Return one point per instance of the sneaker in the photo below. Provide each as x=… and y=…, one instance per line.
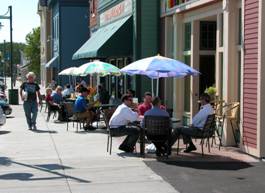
x=190, y=148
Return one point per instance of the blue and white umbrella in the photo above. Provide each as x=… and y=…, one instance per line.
x=159, y=67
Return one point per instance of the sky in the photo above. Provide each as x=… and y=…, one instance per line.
x=25, y=18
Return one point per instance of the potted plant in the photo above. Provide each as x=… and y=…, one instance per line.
x=211, y=91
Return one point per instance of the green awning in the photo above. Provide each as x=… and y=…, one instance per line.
x=112, y=40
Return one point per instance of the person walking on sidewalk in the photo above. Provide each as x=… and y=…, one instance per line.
x=28, y=92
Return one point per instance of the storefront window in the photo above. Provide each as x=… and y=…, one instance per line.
x=221, y=30
x=187, y=87
x=239, y=75
x=187, y=39
x=221, y=74
x=118, y=85
x=169, y=4
x=207, y=35
x=240, y=26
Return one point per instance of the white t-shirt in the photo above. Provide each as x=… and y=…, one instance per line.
x=200, y=118
x=122, y=116
x=83, y=83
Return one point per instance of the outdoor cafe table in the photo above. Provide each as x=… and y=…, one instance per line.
x=142, y=134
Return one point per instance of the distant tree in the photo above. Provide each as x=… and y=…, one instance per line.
x=32, y=50
x=17, y=47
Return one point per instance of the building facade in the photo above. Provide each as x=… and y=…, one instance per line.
x=45, y=38
x=223, y=40
x=69, y=30
x=126, y=30
x=253, y=83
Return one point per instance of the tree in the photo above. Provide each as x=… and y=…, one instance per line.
x=32, y=50
x=17, y=47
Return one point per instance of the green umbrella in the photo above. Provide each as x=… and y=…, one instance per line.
x=98, y=68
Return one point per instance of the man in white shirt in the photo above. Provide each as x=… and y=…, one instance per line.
x=119, y=124
x=83, y=82
x=67, y=91
x=198, y=122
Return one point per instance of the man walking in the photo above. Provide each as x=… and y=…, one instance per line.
x=28, y=92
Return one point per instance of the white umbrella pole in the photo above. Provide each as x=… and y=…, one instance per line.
x=157, y=86
x=152, y=82
x=98, y=81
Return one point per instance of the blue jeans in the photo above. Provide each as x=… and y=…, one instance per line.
x=31, y=112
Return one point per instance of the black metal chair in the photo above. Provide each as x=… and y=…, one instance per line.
x=207, y=132
x=51, y=110
x=158, y=130
x=72, y=117
x=106, y=114
x=43, y=102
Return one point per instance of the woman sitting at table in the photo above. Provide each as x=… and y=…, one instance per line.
x=57, y=97
x=83, y=109
x=56, y=103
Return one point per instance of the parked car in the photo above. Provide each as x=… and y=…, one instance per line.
x=6, y=108
x=2, y=117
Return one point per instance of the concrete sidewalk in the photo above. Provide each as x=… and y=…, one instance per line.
x=54, y=160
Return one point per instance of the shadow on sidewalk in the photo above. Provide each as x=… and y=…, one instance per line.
x=213, y=165
x=44, y=131
x=4, y=132
x=49, y=168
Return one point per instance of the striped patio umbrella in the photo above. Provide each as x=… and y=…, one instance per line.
x=98, y=68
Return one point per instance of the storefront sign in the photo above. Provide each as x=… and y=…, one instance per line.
x=122, y=9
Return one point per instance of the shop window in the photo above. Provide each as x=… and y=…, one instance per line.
x=221, y=55
x=239, y=75
x=169, y=4
x=93, y=8
x=187, y=87
x=221, y=30
x=240, y=26
x=187, y=36
x=207, y=35
x=56, y=34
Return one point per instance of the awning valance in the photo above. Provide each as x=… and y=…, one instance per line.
x=52, y=63
x=112, y=40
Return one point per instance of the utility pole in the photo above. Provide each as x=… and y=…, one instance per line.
x=11, y=47
x=4, y=53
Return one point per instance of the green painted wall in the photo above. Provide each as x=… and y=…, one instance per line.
x=146, y=36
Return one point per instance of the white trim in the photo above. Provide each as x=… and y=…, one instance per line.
x=203, y=13
x=259, y=79
x=261, y=70
x=207, y=52
x=185, y=7
x=242, y=76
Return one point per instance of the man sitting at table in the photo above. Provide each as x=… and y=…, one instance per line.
x=157, y=111
x=67, y=91
x=146, y=105
x=198, y=122
x=82, y=108
x=119, y=124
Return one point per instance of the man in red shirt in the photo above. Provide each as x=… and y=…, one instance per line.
x=146, y=105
